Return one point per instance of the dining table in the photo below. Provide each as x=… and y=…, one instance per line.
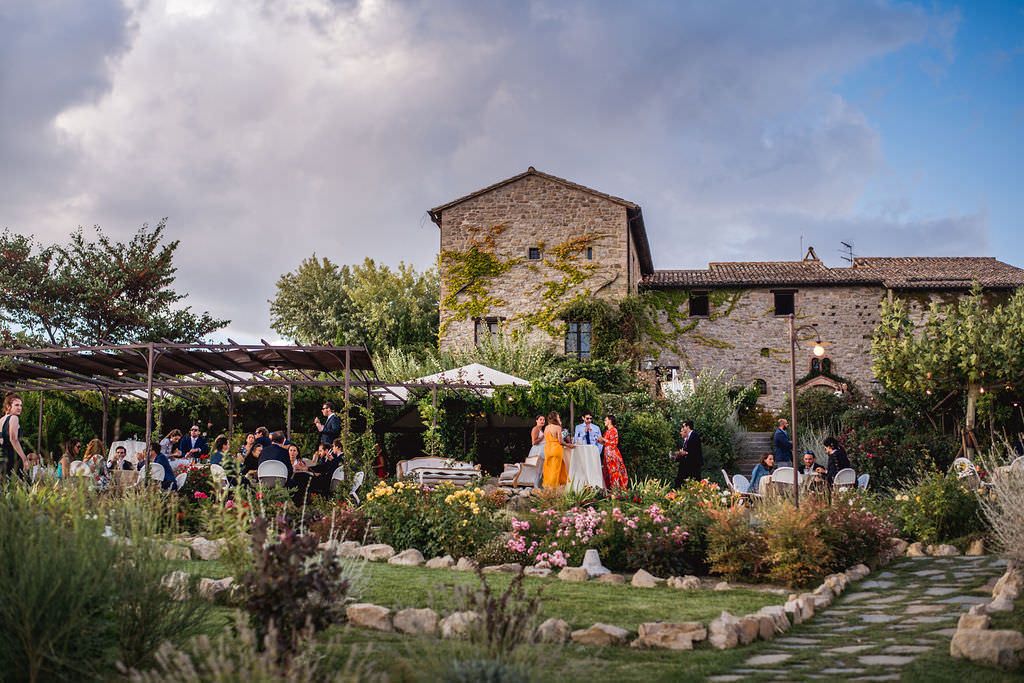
x=584, y=467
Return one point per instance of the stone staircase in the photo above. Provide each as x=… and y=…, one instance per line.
x=752, y=445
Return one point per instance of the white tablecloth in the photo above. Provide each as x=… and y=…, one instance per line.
x=584, y=467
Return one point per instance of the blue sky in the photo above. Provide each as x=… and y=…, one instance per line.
x=266, y=132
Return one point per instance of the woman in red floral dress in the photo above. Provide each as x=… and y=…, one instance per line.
x=614, y=466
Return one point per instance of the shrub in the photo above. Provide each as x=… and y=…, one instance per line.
x=712, y=407
x=342, y=522
x=645, y=440
x=797, y=553
x=735, y=549
x=506, y=620
x=438, y=521
x=293, y=589
x=854, y=533
x=1003, y=510
x=938, y=508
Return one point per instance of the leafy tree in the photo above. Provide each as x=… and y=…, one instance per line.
x=94, y=291
x=366, y=304
x=968, y=347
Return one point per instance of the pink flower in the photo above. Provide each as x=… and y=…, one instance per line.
x=199, y=495
x=230, y=505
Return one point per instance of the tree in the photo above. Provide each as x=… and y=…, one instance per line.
x=968, y=347
x=366, y=304
x=97, y=291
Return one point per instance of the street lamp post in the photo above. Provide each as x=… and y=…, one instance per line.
x=819, y=351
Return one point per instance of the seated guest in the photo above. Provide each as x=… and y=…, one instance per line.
x=220, y=451
x=810, y=464
x=120, y=460
x=293, y=455
x=251, y=460
x=263, y=436
x=276, y=451
x=837, y=459
x=34, y=470
x=156, y=457
x=93, y=456
x=194, y=446
x=169, y=444
x=761, y=469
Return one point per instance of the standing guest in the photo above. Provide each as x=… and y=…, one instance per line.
x=763, y=468
x=556, y=472
x=12, y=455
x=156, y=457
x=330, y=429
x=690, y=457
x=220, y=451
x=94, y=456
x=781, y=444
x=615, y=476
x=380, y=465
x=169, y=445
x=837, y=459
x=588, y=433
x=194, y=446
x=537, y=447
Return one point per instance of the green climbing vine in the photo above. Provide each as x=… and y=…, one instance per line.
x=468, y=273
x=566, y=290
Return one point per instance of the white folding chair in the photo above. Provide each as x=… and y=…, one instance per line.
x=272, y=473
x=845, y=478
x=1018, y=464
x=156, y=472
x=337, y=478
x=784, y=476
x=357, y=481
x=728, y=482
x=79, y=469
x=862, y=481
x=181, y=479
x=219, y=474
x=741, y=484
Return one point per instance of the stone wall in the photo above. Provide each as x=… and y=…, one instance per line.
x=536, y=212
x=752, y=343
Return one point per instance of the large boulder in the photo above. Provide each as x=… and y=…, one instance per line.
x=765, y=626
x=553, y=631
x=611, y=578
x=446, y=562
x=688, y=583
x=204, y=549
x=643, y=579
x=976, y=548
x=507, y=568
x=897, y=546
x=211, y=588
x=601, y=635
x=177, y=584
x=942, y=550
x=748, y=628
x=778, y=616
x=465, y=565
x=999, y=604
x=573, y=574
x=974, y=621
x=1009, y=584
x=458, y=624
x=366, y=615
x=857, y=572
x=349, y=549
x=916, y=550
x=723, y=632
x=376, y=552
x=539, y=572
x=175, y=551
x=670, y=636
x=416, y=621
x=1002, y=649
x=407, y=558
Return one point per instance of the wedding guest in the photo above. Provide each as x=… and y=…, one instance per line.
x=72, y=447
x=588, y=433
x=120, y=461
x=220, y=451
x=330, y=429
x=251, y=460
x=765, y=467
x=614, y=467
x=156, y=457
x=277, y=451
x=169, y=444
x=263, y=436
x=690, y=457
x=194, y=446
x=537, y=447
x=556, y=472
x=837, y=458
x=782, y=447
x=810, y=464
x=12, y=455
x=94, y=456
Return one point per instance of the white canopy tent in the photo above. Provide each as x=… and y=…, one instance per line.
x=474, y=376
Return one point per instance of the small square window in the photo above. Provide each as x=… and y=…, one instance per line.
x=785, y=303
x=590, y=253
x=699, y=305
x=577, y=339
x=534, y=254
x=486, y=328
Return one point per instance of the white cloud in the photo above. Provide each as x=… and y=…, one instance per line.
x=267, y=131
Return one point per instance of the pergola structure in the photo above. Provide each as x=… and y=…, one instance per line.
x=176, y=368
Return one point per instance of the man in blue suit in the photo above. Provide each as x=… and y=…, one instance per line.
x=194, y=445
x=781, y=445
x=277, y=451
x=587, y=432
x=158, y=458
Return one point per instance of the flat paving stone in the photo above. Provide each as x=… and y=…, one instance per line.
x=945, y=632
x=929, y=572
x=850, y=629
x=888, y=600
x=939, y=591
x=850, y=597
x=907, y=649
x=965, y=600
x=760, y=659
x=878, y=618
x=877, y=584
x=885, y=660
x=930, y=619
x=726, y=678
x=924, y=609
x=842, y=672
x=882, y=677
x=791, y=640
x=849, y=649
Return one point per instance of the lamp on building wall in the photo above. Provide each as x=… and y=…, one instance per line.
x=819, y=351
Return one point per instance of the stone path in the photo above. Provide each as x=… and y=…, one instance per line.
x=878, y=626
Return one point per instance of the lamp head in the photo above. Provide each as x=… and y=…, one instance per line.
x=819, y=350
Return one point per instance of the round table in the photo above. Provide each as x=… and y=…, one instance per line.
x=584, y=467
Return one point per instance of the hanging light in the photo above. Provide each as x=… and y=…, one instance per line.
x=819, y=350
x=981, y=390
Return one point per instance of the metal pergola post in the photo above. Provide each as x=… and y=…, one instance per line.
x=348, y=372
x=105, y=395
x=149, y=395
x=288, y=415
x=231, y=411
x=39, y=434
x=792, y=406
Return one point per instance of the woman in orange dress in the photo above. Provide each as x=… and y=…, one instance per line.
x=556, y=472
x=614, y=466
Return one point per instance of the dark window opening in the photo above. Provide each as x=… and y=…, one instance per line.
x=699, y=305
x=785, y=303
x=534, y=253
x=577, y=339
x=486, y=328
x=590, y=253
x=761, y=386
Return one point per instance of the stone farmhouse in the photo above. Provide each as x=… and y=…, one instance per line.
x=514, y=253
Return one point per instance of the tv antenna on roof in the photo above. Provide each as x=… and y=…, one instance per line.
x=847, y=252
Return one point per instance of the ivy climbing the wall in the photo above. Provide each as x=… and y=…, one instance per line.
x=468, y=273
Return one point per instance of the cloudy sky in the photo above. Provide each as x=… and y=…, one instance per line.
x=266, y=131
